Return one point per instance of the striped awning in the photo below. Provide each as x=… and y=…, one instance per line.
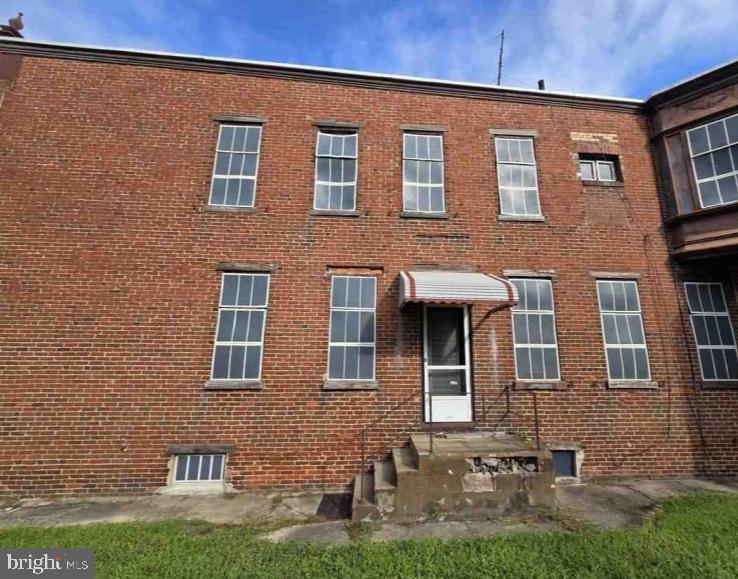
x=456, y=287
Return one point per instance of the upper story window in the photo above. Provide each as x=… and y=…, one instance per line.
x=534, y=331
x=351, y=350
x=335, y=171
x=713, y=331
x=422, y=170
x=714, y=152
x=239, y=337
x=622, y=327
x=236, y=164
x=517, y=176
x=602, y=168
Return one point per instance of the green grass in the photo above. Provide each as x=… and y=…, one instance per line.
x=695, y=536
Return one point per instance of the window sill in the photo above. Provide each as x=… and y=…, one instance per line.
x=423, y=215
x=532, y=218
x=350, y=384
x=540, y=385
x=233, y=385
x=230, y=209
x=334, y=213
x=615, y=184
x=632, y=384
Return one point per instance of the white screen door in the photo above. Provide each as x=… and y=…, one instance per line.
x=447, y=379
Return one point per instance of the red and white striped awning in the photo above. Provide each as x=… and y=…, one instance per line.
x=456, y=287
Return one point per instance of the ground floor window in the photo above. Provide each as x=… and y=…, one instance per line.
x=199, y=468
x=713, y=331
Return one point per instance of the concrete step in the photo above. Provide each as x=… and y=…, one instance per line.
x=403, y=460
x=385, y=477
x=363, y=506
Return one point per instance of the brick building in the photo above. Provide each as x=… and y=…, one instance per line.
x=222, y=270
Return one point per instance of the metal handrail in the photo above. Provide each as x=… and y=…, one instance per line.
x=377, y=421
x=509, y=412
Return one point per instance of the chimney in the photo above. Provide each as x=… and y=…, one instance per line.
x=541, y=84
x=13, y=27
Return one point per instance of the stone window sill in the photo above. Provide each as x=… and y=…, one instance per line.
x=334, y=213
x=540, y=385
x=614, y=184
x=423, y=215
x=350, y=384
x=522, y=218
x=632, y=384
x=230, y=209
x=234, y=385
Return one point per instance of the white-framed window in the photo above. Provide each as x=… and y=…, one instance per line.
x=713, y=331
x=335, y=171
x=534, y=331
x=352, y=341
x=239, y=336
x=714, y=151
x=236, y=166
x=198, y=468
x=422, y=171
x=622, y=329
x=517, y=176
x=592, y=170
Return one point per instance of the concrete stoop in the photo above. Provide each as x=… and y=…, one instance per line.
x=466, y=476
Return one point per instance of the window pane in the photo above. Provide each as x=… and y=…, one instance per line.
x=529, y=176
x=335, y=363
x=615, y=363
x=610, y=329
x=423, y=147
x=628, y=356
x=205, y=468
x=586, y=170
x=728, y=189
x=713, y=335
x=526, y=149
x=181, y=472
x=605, y=171
x=368, y=291
x=732, y=125
x=353, y=298
x=641, y=362
x=502, y=150
x=253, y=362
x=219, y=190
x=700, y=330
x=324, y=144
x=352, y=326
x=348, y=197
x=506, y=201
x=551, y=364
x=522, y=363
x=606, y=296
x=366, y=363
x=411, y=147
x=709, y=194
x=411, y=197
x=217, y=467
x=447, y=382
x=252, y=139
x=436, y=148
x=716, y=131
x=445, y=331
x=338, y=326
x=721, y=161
x=703, y=166
x=731, y=358
x=520, y=328
x=547, y=329
x=698, y=140
x=220, y=361
x=256, y=326
x=259, y=290
x=349, y=145
x=621, y=326
x=536, y=363
x=636, y=330
x=339, y=285
x=246, y=197
x=707, y=365
x=518, y=200
x=239, y=139
x=351, y=362
x=531, y=202
x=238, y=355
x=534, y=328
x=226, y=138
x=225, y=325
x=721, y=367
x=193, y=467
x=322, y=196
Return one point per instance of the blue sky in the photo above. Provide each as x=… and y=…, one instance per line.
x=615, y=47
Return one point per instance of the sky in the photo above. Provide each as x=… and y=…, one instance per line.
x=627, y=48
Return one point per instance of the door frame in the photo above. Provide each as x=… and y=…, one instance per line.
x=467, y=367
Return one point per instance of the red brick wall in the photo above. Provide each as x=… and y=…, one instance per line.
x=110, y=288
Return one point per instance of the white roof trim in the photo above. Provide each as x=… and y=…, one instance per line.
x=339, y=71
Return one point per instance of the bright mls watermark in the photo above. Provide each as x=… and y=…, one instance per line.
x=62, y=563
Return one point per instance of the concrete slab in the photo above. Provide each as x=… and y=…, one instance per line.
x=471, y=444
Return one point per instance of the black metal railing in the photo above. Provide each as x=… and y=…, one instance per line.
x=513, y=415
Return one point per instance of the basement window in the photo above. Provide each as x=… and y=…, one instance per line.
x=599, y=168
x=198, y=468
x=565, y=463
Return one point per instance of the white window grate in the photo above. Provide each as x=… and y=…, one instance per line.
x=199, y=468
x=622, y=328
x=352, y=341
x=239, y=336
x=335, y=171
x=236, y=165
x=534, y=331
x=422, y=173
x=517, y=176
x=713, y=331
x=714, y=152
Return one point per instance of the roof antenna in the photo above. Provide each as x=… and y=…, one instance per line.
x=499, y=61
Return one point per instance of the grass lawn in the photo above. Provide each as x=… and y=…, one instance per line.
x=695, y=536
